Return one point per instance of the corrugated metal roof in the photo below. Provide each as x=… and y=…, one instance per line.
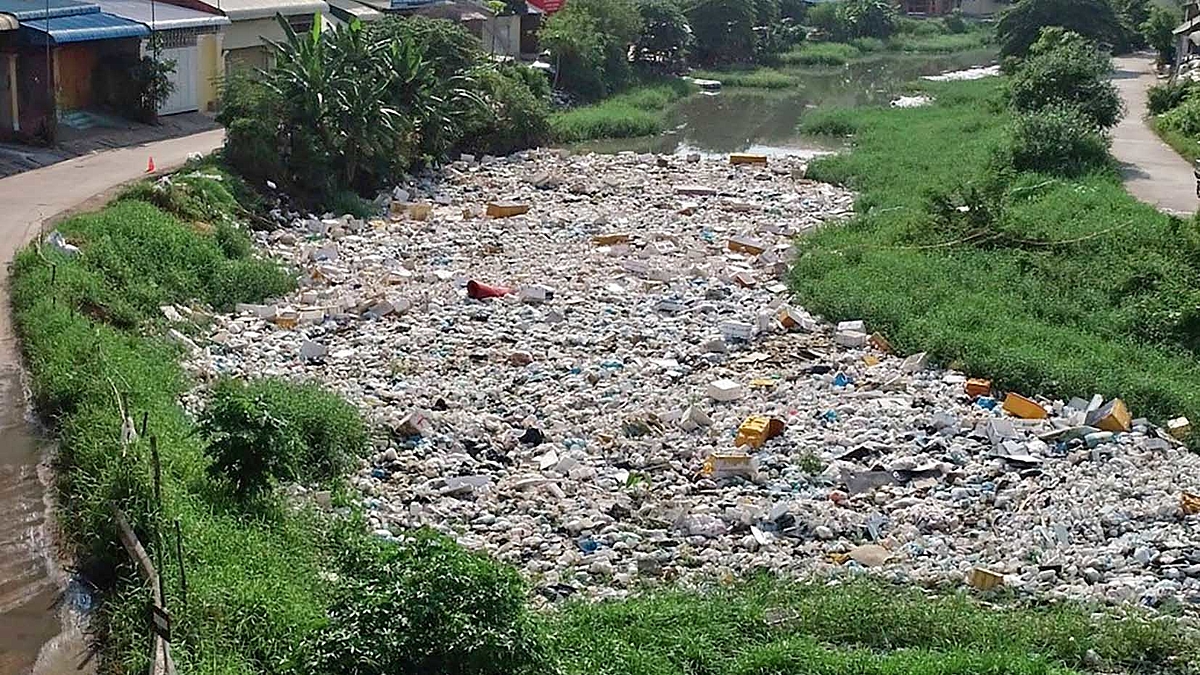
x=83, y=28
x=161, y=16
x=347, y=10
x=246, y=10
x=24, y=10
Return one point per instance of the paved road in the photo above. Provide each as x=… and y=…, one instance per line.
x=35, y=636
x=1153, y=172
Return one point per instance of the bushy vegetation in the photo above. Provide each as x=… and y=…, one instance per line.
x=1055, y=139
x=269, y=431
x=1169, y=95
x=666, y=37
x=350, y=108
x=1064, y=69
x=425, y=605
x=589, y=43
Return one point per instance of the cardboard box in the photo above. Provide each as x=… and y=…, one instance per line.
x=985, y=579
x=1019, y=406
x=1113, y=416
x=506, y=209
x=757, y=430
x=747, y=158
x=978, y=387
x=726, y=464
x=1179, y=428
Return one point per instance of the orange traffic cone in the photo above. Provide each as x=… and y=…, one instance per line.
x=150, y=166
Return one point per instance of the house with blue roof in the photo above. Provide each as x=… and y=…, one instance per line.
x=61, y=55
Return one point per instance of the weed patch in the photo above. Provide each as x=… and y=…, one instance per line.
x=1083, y=290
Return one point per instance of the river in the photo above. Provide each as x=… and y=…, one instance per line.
x=764, y=121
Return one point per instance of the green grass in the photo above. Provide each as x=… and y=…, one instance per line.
x=938, y=44
x=88, y=327
x=1186, y=146
x=842, y=53
x=772, y=626
x=758, y=78
x=640, y=111
x=821, y=54
x=1104, y=303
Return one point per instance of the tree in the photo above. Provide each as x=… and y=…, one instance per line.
x=869, y=18
x=1131, y=14
x=1019, y=26
x=766, y=12
x=793, y=9
x=1157, y=30
x=724, y=30
x=1065, y=70
x=665, y=36
x=590, y=41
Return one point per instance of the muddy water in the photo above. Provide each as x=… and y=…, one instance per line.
x=764, y=121
x=28, y=592
x=32, y=590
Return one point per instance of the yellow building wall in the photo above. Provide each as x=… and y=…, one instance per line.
x=212, y=71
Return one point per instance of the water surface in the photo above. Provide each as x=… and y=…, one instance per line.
x=764, y=121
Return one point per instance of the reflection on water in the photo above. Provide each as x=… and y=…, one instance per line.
x=763, y=121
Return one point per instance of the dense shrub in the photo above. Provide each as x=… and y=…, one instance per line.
x=347, y=202
x=271, y=430
x=826, y=18
x=954, y=23
x=724, y=30
x=1064, y=69
x=424, y=605
x=1169, y=95
x=250, y=113
x=665, y=37
x=349, y=108
x=445, y=45
x=1184, y=118
x=1020, y=26
x=1055, y=139
x=512, y=117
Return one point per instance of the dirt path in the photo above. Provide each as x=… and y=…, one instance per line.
x=1153, y=172
x=37, y=634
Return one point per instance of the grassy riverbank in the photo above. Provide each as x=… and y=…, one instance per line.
x=93, y=339
x=1077, y=288
x=639, y=111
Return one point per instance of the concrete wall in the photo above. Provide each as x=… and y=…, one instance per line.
x=242, y=34
x=243, y=43
x=502, y=35
x=212, y=70
x=983, y=7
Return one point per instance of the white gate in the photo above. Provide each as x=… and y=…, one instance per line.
x=185, y=96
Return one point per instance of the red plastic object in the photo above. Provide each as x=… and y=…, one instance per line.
x=478, y=291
